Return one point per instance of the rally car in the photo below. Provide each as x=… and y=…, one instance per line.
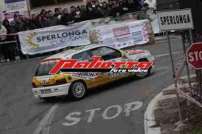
x=76, y=84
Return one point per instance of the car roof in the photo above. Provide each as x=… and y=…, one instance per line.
x=70, y=52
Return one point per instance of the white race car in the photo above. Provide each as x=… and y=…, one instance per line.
x=46, y=85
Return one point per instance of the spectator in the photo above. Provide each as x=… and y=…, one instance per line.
x=43, y=20
x=42, y=13
x=17, y=24
x=3, y=32
x=25, y=22
x=104, y=9
x=123, y=4
x=92, y=10
x=38, y=21
x=65, y=19
x=135, y=5
x=33, y=22
x=139, y=4
x=52, y=19
x=145, y=7
x=83, y=12
x=115, y=9
x=78, y=15
x=8, y=50
x=72, y=13
x=58, y=13
x=6, y=23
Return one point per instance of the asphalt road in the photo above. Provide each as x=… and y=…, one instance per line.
x=114, y=109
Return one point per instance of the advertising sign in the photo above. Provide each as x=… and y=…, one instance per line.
x=175, y=20
x=54, y=38
x=15, y=5
x=122, y=35
x=1, y=5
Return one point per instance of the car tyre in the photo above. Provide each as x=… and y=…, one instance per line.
x=144, y=75
x=78, y=90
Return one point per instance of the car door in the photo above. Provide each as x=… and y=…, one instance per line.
x=107, y=54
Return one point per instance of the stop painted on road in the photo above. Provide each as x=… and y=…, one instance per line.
x=109, y=113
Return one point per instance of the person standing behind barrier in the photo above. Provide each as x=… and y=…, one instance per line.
x=104, y=9
x=78, y=15
x=83, y=12
x=3, y=33
x=65, y=19
x=15, y=26
x=92, y=10
x=123, y=4
x=58, y=13
x=72, y=14
x=52, y=20
x=115, y=9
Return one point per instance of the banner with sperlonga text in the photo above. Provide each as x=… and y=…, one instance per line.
x=54, y=38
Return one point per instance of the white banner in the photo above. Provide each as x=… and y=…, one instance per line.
x=16, y=5
x=124, y=34
x=2, y=4
x=54, y=38
x=175, y=20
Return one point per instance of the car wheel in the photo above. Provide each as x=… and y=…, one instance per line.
x=78, y=90
x=144, y=74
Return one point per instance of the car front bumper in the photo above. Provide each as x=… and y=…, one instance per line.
x=51, y=91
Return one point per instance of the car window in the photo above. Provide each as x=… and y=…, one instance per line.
x=83, y=56
x=44, y=68
x=106, y=53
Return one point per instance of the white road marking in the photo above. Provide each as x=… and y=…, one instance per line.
x=133, y=106
x=44, y=125
x=167, y=54
x=72, y=118
x=92, y=114
x=118, y=109
x=149, y=117
x=108, y=113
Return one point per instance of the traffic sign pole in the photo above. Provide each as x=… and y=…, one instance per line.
x=169, y=20
x=171, y=56
x=174, y=76
x=186, y=64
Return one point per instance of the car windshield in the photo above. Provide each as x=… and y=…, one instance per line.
x=105, y=52
x=44, y=68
